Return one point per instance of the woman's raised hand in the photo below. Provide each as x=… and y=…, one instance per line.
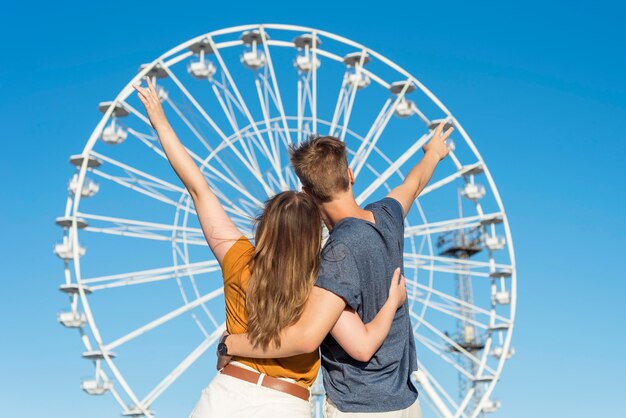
x=397, y=290
x=150, y=99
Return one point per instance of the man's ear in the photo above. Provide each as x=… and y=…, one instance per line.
x=351, y=176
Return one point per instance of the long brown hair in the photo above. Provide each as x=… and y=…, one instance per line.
x=284, y=265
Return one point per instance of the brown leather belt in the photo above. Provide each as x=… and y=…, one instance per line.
x=267, y=381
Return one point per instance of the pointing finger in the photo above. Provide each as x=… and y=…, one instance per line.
x=142, y=91
x=448, y=133
x=151, y=87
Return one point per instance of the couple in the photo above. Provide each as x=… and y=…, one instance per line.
x=286, y=296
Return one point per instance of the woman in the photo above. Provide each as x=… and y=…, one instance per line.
x=265, y=289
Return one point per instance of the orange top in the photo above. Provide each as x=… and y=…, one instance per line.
x=302, y=368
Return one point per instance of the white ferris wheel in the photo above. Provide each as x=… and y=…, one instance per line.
x=144, y=290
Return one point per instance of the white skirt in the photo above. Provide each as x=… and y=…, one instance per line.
x=229, y=397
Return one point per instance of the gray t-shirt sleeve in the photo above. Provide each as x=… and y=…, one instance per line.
x=395, y=212
x=339, y=273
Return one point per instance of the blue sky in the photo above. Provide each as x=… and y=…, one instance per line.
x=539, y=86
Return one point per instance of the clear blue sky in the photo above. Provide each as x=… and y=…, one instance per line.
x=539, y=85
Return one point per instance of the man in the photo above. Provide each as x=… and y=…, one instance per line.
x=364, y=247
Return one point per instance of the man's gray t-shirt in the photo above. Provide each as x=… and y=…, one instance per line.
x=357, y=264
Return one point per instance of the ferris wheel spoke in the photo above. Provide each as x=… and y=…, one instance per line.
x=182, y=366
x=151, y=275
x=348, y=112
x=230, y=99
x=301, y=101
x=444, y=269
x=195, y=104
x=455, y=160
x=248, y=149
x=314, y=83
x=200, y=138
x=338, y=106
x=148, y=227
x=274, y=155
x=149, y=139
x=367, y=146
x=393, y=168
x=432, y=343
x=457, y=262
x=102, y=375
x=347, y=108
x=379, y=124
x=305, y=96
x=135, y=186
x=120, y=379
x=443, y=309
x=184, y=255
x=239, y=99
x=144, y=138
x=430, y=379
x=443, y=356
x=239, y=216
x=141, y=177
x=211, y=122
x=238, y=96
x=293, y=180
x=456, y=301
x=130, y=232
x=453, y=344
x=136, y=113
x=227, y=109
x=451, y=224
x=143, y=188
x=117, y=396
x=248, y=161
x=163, y=319
x=449, y=179
x=277, y=98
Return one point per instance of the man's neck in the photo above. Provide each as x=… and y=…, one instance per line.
x=341, y=207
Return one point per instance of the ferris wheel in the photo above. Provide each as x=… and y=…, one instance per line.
x=141, y=280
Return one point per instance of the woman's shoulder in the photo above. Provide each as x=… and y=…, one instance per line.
x=238, y=257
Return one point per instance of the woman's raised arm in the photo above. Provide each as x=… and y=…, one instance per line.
x=219, y=230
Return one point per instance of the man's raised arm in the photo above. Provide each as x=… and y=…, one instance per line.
x=322, y=310
x=419, y=176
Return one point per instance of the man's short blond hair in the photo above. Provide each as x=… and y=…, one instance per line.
x=321, y=165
